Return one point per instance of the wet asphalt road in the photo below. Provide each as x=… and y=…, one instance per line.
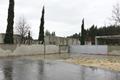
x=25, y=69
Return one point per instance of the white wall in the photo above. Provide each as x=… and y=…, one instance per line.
x=89, y=49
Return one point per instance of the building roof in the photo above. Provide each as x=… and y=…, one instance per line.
x=14, y=34
x=109, y=37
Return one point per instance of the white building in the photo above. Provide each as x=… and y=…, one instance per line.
x=55, y=40
x=16, y=38
x=109, y=40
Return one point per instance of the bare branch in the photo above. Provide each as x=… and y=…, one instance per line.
x=116, y=14
x=22, y=28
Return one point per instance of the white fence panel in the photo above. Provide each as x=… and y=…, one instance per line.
x=89, y=49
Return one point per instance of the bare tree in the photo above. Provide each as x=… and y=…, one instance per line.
x=116, y=14
x=22, y=29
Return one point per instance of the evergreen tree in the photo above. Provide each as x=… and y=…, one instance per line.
x=10, y=22
x=93, y=33
x=29, y=37
x=41, y=32
x=82, y=33
x=53, y=34
x=76, y=36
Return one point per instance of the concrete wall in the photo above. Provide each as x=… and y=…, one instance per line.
x=26, y=49
x=48, y=49
x=52, y=49
x=6, y=50
x=89, y=49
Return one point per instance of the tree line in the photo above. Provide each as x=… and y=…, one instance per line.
x=90, y=33
x=93, y=31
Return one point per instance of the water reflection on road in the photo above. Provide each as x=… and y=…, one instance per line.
x=51, y=70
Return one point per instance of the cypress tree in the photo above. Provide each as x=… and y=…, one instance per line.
x=82, y=33
x=10, y=22
x=41, y=31
x=29, y=37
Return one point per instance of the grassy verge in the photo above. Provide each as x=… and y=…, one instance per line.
x=101, y=61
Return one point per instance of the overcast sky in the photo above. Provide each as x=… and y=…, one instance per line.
x=62, y=16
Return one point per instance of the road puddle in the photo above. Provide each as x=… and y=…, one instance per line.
x=51, y=70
